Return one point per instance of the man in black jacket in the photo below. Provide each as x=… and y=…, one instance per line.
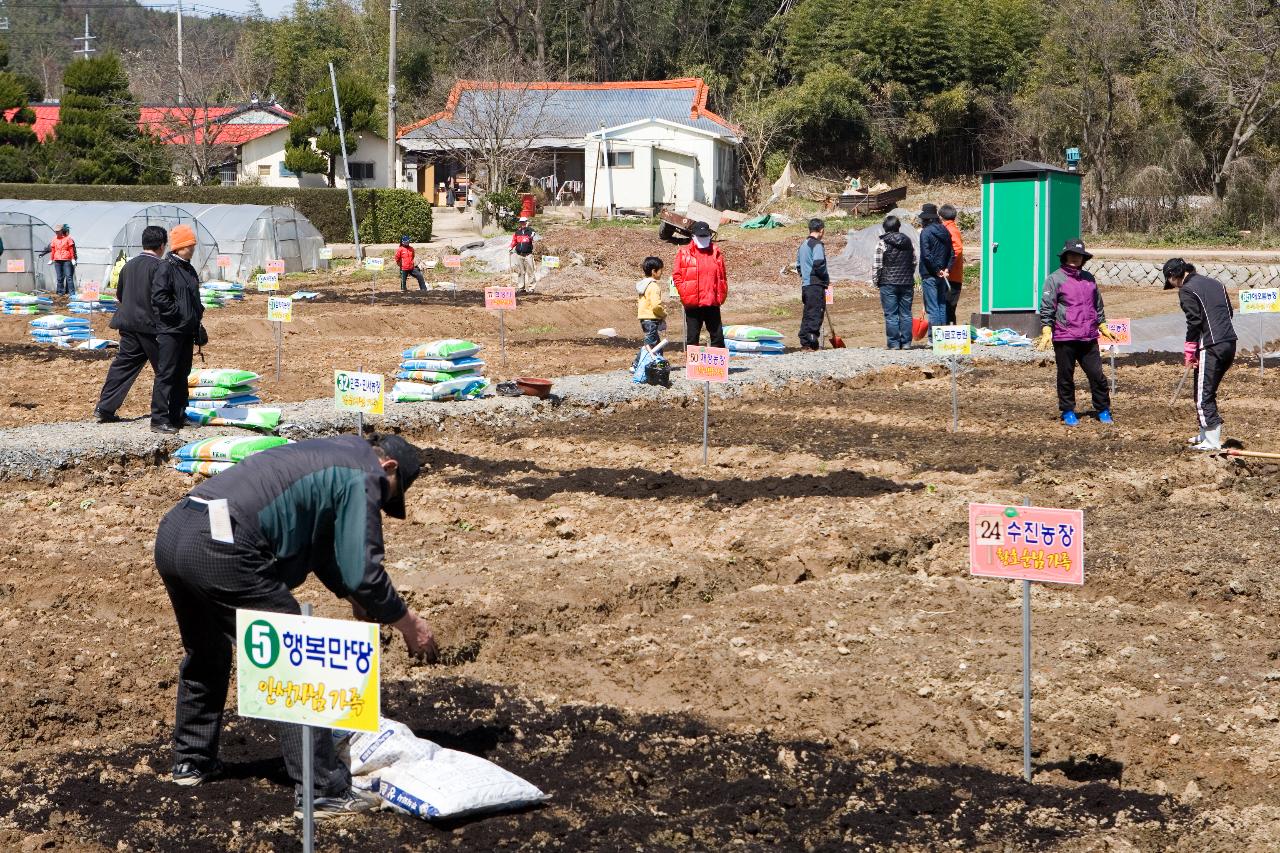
x=243, y=540
x=1211, y=342
x=136, y=323
x=175, y=299
x=936, y=255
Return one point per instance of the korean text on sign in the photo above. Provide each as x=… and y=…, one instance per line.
x=275, y=266
x=952, y=340
x=374, y=264
x=452, y=261
x=90, y=291
x=280, y=309
x=15, y=265
x=224, y=262
x=358, y=392
x=499, y=298
x=268, y=281
x=307, y=670
x=325, y=253
x=1260, y=301
x=706, y=364
x=1026, y=543
x=551, y=262
x=1121, y=332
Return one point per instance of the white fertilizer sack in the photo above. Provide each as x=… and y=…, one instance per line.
x=418, y=777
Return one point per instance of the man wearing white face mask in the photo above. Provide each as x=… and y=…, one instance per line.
x=699, y=277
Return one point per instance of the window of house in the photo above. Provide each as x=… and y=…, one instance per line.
x=621, y=159
x=264, y=171
x=361, y=171
x=285, y=173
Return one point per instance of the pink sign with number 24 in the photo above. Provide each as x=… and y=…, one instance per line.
x=1026, y=543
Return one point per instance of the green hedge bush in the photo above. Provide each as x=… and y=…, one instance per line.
x=384, y=215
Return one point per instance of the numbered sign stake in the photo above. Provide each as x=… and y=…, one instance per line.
x=358, y=392
x=706, y=365
x=1121, y=335
x=268, y=282
x=310, y=672
x=1026, y=543
x=374, y=265
x=951, y=342
x=502, y=300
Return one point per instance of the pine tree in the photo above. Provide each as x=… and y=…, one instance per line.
x=358, y=107
x=98, y=127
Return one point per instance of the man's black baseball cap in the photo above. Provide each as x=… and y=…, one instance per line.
x=700, y=229
x=408, y=465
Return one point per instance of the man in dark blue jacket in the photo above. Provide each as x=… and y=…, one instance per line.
x=936, y=255
x=135, y=320
x=811, y=261
x=315, y=506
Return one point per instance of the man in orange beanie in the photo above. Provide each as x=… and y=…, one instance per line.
x=175, y=299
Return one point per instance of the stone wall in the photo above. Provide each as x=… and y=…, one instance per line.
x=1147, y=274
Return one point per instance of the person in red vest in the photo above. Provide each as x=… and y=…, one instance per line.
x=699, y=277
x=405, y=260
x=522, y=248
x=64, y=259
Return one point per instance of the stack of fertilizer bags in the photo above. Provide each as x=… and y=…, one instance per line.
x=214, y=455
x=753, y=340
x=25, y=303
x=104, y=304
x=228, y=398
x=60, y=330
x=440, y=370
x=216, y=294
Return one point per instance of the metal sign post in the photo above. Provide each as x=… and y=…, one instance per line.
x=308, y=780
x=955, y=398
x=1121, y=330
x=279, y=312
x=1026, y=543
x=706, y=365
x=1260, y=301
x=953, y=341
x=500, y=299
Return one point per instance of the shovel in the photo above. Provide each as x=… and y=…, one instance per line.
x=837, y=342
x=1181, y=382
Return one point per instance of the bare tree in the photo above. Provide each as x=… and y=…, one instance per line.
x=494, y=125
x=188, y=99
x=1228, y=53
x=763, y=124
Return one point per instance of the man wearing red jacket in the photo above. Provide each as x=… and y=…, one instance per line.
x=405, y=261
x=700, y=279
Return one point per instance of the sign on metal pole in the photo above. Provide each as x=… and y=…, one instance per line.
x=952, y=342
x=279, y=312
x=15, y=265
x=224, y=262
x=706, y=365
x=312, y=672
x=358, y=392
x=1260, y=301
x=375, y=264
x=1121, y=336
x=268, y=282
x=550, y=262
x=452, y=261
x=1026, y=543
x=90, y=291
x=275, y=265
x=326, y=253
x=502, y=300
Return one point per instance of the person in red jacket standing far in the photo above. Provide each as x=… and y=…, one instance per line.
x=408, y=267
x=64, y=260
x=700, y=279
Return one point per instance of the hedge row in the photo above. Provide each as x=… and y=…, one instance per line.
x=384, y=215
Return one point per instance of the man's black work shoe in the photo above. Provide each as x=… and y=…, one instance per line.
x=354, y=801
x=106, y=417
x=165, y=429
x=187, y=774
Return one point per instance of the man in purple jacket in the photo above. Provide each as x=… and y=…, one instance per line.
x=1072, y=318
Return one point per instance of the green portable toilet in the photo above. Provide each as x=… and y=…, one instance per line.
x=1028, y=211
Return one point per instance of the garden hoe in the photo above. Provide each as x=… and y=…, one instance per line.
x=837, y=342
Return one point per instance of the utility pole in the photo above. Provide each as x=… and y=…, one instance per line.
x=180, y=84
x=393, y=174
x=346, y=168
x=86, y=38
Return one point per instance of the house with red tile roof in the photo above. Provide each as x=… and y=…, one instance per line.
x=239, y=143
x=637, y=145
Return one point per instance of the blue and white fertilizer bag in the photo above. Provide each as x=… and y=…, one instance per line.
x=417, y=777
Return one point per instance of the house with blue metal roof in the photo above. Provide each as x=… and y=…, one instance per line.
x=609, y=147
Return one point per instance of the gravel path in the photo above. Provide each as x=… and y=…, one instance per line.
x=37, y=452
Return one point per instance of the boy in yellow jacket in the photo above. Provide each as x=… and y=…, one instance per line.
x=649, y=308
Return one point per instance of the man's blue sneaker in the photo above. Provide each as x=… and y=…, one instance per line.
x=1105, y=416
x=1070, y=419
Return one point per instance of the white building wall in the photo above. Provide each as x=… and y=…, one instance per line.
x=634, y=187
x=268, y=151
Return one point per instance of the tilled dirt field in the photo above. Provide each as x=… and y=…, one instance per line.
x=780, y=651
